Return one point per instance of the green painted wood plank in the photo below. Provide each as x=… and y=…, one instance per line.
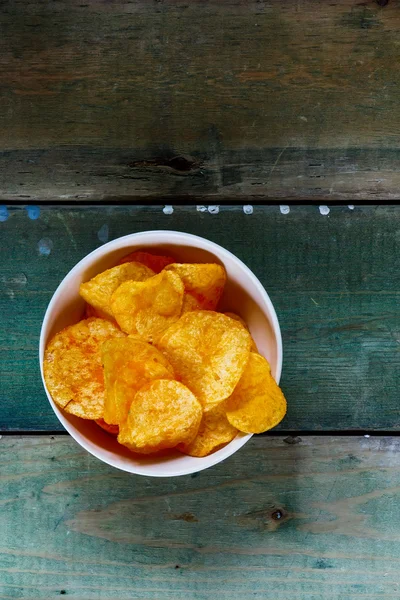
x=334, y=280
x=69, y=525
x=265, y=99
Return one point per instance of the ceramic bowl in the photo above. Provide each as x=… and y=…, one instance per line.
x=243, y=295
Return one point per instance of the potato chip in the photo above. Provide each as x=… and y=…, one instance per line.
x=205, y=282
x=162, y=415
x=73, y=370
x=133, y=362
x=236, y=317
x=98, y=291
x=190, y=303
x=155, y=262
x=148, y=308
x=214, y=431
x=90, y=311
x=208, y=352
x=257, y=404
x=111, y=429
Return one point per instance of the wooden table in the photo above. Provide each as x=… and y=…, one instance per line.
x=238, y=115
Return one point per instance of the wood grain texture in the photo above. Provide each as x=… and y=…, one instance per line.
x=334, y=281
x=144, y=99
x=317, y=520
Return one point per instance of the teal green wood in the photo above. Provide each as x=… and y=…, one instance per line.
x=334, y=281
x=317, y=520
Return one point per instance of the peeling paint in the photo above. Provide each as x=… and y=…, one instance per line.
x=103, y=233
x=45, y=246
x=213, y=209
x=4, y=214
x=33, y=212
x=324, y=210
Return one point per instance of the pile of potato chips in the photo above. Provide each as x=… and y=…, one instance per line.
x=155, y=363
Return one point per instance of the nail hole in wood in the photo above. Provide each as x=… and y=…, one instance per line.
x=277, y=515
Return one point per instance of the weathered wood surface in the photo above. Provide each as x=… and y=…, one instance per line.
x=70, y=525
x=294, y=99
x=334, y=280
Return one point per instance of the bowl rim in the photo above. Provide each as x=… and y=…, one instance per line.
x=183, y=239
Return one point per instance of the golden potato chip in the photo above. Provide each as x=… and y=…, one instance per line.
x=98, y=291
x=204, y=282
x=257, y=404
x=232, y=315
x=90, y=311
x=73, y=370
x=162, y=415
x=208, y=352
x=214, y=431
x=237, y=318
x=134, y=363
x=147, y=308
x=111, y=429
x=155, y=262
x=190, y=303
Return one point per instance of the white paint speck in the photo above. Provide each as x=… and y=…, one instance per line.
x=201, y=208
x=248, y=209
x=324, y=210
x=33, y=212
x=11, y=284
x=302, y=118
x=3, y=214
x=285, y=209
x=168, y=209
x=18, y=281
x=213, y=209
x=351, y=207
x=45, y=246
x=103, y=233
x=367, y=436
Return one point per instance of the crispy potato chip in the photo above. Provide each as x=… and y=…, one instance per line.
x=90, y=311
x=98, y=291
x=73, y=370
x=134, y=363
x=155, y=262
x=257, y=404
x=204, y=282
x=208, y=352
x=232, y=315
x=162, y=415
x=190, y=303
x=111, y=429
x=214, y=431
x=148, y=308
x=237, y=318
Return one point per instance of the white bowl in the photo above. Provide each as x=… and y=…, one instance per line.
x=243, y=295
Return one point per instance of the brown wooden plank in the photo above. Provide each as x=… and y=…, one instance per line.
x=295, y=99
x=315, y=520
